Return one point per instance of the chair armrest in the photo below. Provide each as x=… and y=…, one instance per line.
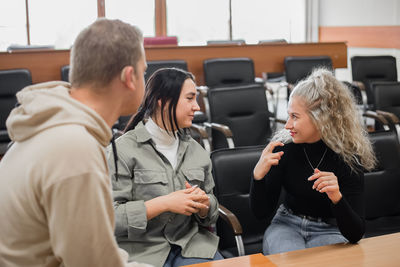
x=377, y=117
x=390, y=116
x=393, y=120
x=224, y=130
x=278, y=120
x=234, y=223
x=230, y=219
x=203, y=90
x=201, y=131
x=220, y=127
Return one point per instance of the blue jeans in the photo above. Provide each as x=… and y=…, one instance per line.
x=175, y=258
x=289, y=232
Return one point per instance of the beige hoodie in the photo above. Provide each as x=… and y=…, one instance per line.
x=55, y=193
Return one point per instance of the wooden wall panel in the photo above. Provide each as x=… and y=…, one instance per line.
x=363, y=36
x=46, y=65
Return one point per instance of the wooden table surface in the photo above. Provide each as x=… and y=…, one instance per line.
x=372, y=252
x=380, y=251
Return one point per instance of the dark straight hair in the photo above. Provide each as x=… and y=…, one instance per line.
x=166, y=85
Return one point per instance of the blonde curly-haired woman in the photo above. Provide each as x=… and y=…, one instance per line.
x=319, y=160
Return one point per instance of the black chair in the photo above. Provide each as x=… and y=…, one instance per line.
x=65, y=73
x=11, y=81
x=228, y=71
x=298, y=68
x=367, y=69
x=152, y=66
x=382, y=198
x=386, y=96
x=232, y=170
x=244, y=109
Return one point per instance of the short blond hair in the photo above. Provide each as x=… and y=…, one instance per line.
x=102, y=50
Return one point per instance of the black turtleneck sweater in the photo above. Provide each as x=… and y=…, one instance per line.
x=292, y=174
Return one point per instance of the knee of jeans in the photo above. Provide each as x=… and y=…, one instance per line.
x=265, y=244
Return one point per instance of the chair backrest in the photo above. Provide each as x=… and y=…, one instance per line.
x=152, y=66
x=65, y=73
x=244, y=109
x=228, y=71
x=366, y=69
x=387, y=96
x=273, y=41
x=298, y=68
x=11, y=81
x=232, y=170
x=226, y=42
x=15, y=47
x=382, y=199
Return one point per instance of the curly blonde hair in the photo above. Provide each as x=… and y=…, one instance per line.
x=332, y=108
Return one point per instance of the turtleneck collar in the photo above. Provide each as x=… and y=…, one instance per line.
x=160, y=136
x=315, y=147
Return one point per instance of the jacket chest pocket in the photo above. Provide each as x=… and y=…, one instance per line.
x=149, y=184
x=195, y=177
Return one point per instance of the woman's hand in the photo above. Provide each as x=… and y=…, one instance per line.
x=197, y=191
x=326, y=182
x=185, y=201
x=267, y=159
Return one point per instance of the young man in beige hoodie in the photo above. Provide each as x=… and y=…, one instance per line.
x=55, y=193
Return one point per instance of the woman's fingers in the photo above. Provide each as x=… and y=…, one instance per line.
x=271, y=146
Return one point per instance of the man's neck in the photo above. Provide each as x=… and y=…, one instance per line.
x=103, y=103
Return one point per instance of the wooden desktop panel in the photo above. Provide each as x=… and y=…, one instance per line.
x=46, y=65
x=369, y=252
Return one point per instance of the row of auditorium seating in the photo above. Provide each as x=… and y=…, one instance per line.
x=232, y=95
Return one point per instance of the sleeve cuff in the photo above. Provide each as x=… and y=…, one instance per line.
x=137, y=217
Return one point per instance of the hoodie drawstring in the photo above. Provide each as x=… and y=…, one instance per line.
x=114, y=149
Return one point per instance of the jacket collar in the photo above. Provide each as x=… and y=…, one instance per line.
x=144, y=136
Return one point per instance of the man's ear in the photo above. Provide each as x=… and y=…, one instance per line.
x=127, y=76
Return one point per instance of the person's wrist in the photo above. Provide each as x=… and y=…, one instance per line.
x=257, y=176
x=335, y=199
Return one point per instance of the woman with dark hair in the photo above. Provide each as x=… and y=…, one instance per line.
x=163, y=186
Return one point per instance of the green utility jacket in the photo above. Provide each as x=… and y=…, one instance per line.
x=143, y=174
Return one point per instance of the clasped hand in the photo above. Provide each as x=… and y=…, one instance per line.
x=188, y=201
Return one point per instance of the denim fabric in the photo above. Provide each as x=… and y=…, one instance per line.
x=289, y=232
x=175, y=258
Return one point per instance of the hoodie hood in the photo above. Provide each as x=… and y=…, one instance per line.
x=49, y=104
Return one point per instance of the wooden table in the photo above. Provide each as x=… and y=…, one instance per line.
x=370, y=252
x=255, y=260
x=375, y=251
